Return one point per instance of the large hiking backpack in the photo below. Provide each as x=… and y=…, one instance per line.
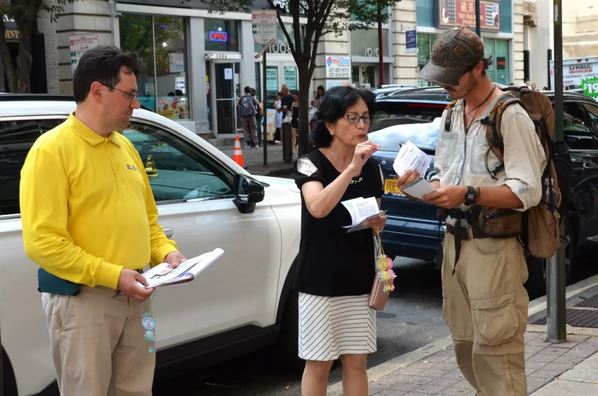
x=247, y=107
x=540, y=228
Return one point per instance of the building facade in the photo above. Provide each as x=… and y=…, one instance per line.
x=196, y=63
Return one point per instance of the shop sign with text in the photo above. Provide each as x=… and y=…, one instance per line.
x=338, y=66
x=462, y=12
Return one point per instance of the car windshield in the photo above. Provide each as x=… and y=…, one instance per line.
x=423, y=135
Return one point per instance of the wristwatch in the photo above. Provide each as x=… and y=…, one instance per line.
x=470, y=195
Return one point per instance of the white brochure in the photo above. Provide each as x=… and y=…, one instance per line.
x=361, y=210
x=163, y=274
x=418, y=188
x=410, y=157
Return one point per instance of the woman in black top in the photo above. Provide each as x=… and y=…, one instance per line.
x=336, y=268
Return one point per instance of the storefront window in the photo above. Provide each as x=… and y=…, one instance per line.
x=160, y=43
x=425, y=42
x=365, y=43
x=221, y=35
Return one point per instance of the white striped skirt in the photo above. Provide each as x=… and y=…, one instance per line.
x=334, y=326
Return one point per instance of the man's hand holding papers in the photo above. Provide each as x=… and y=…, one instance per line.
x=410, y=163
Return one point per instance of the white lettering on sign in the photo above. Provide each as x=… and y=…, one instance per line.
x=279, y=48
x=371, y=52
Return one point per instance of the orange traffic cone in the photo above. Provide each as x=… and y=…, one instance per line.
x=237, y=153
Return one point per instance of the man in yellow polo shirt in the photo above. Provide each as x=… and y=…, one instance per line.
x=90, y=223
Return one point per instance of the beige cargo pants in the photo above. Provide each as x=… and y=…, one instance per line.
x=485, y=308
x=97, y=344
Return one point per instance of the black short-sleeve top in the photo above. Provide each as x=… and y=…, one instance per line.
x=333, y=262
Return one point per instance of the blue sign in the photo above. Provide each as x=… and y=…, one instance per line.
x=218, y=36
x=411, y=41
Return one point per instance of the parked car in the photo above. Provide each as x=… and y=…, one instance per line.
x=389, y=89
x=412, y=228
x=241, y=303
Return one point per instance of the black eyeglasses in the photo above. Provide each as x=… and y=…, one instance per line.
x=132, y=97
x=354, y=118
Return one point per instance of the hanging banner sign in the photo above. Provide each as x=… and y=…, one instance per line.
x=338, y=66
x=462, y=12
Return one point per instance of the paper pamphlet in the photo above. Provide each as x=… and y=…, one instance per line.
x=162, y=274
x=418, y=188
x=361, y=210
x=410, y=157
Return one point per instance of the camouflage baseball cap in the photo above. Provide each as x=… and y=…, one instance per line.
x=453, y=53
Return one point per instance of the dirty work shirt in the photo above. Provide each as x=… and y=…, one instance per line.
x=460, y=156
x=333, y=262
x=87, y=206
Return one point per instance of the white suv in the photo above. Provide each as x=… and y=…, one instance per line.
x=205, y=200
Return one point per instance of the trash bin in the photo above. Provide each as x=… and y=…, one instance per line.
x=287, y=142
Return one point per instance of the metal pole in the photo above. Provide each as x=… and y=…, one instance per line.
x=555, y=276
x=478, y=29
x=264, y=112
x=380, y=46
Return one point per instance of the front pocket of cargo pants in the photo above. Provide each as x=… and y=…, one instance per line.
x=495, y=319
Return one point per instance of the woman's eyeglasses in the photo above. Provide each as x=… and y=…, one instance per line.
x=354, y=118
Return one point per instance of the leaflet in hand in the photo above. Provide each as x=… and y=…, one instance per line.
x=361, y=210
x=410, y=157
x=418, y=188
x=162, y=274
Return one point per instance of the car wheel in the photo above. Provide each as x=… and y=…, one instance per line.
x=536, y=282
x=7, y=378
x=285, y=350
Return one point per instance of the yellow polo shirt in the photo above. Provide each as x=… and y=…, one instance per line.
x=87, y=206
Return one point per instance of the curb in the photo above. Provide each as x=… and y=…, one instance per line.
x=383, y=370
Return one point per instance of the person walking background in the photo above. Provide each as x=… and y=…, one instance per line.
x=484, y=298
x=336, y=268
x=295, y=119
x=90, y=222
x=320, y=91
x=248, y=108
x=258, y=119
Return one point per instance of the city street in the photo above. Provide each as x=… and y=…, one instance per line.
x=412, y=318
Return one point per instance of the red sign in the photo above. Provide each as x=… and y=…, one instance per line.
x=217, y=35
x=462, y=12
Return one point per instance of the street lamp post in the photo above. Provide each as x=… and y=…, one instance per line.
x=555, y=274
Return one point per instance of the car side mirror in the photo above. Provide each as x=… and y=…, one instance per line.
x=248, y=192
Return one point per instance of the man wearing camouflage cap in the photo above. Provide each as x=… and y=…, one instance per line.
x=484, y=299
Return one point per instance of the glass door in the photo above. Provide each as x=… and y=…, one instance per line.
x=224, y=83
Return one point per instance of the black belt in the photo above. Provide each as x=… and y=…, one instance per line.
x=461, y=230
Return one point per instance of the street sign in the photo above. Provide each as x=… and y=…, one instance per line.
x=264, y=25
x=590, y=86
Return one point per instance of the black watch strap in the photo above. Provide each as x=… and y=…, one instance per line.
x=470, y=195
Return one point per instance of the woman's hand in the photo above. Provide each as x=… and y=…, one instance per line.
x=377, y=223
x=363, y=151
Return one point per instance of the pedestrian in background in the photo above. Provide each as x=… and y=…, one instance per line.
x=258, y=118
x=248, y=108
x=485, y=301
x=90, y=222
x=336, y=268
x=277, y=119
x=320, y=91
x=295, y=119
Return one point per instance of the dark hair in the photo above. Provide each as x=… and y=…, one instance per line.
x=333, y=106
x=247, y=89
x=320, y=87
x=101, y=64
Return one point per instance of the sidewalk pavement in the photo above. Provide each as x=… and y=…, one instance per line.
x=254, y=159
x=553, y=369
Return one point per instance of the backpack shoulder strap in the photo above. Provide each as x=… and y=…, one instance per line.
x=449, y=115
x=493, y=131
